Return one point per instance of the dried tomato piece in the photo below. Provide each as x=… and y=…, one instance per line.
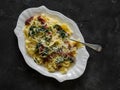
x=49, y=33
x=66, y=42
x=41, y=20
x=27, y=22
x=45, y=26
x=69, y=46
x=41, y=48
x=52, y=55
x=70, y=54
x=45, y=60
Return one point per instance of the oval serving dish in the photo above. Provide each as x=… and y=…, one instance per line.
x=82, y=54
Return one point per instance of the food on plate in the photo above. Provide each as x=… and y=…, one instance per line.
x=47, y=41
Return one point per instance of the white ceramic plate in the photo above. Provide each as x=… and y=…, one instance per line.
x=82, y=56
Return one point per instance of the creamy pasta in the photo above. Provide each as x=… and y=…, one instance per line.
x=47, y=41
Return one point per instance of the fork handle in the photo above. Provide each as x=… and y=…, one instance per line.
x=95, y=47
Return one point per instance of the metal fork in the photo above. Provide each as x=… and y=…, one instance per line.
x=95, y=47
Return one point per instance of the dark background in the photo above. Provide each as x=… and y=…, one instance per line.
x=99, y=22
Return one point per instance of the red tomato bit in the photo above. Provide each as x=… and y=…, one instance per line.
x=27, y=22
x=41, y=20
x=41, y=48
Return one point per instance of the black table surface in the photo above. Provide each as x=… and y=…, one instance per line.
x=99, y=22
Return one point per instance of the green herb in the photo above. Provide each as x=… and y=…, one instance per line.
x=42, y=28
x=47, y=39
x=62, y=33
x=38, y=45
x=71, y=59
x=32, y=28
x=45, y=52
x=38, y=30
x=59, y=60
x=32, y=31
x=58, y=27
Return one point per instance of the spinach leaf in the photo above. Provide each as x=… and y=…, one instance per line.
x=47, y=39
x=71, y=59
x=62, y=33
x=32, y=28
x=38, y=45
x=32, y=31
x=45, y=52
x=58, y=27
